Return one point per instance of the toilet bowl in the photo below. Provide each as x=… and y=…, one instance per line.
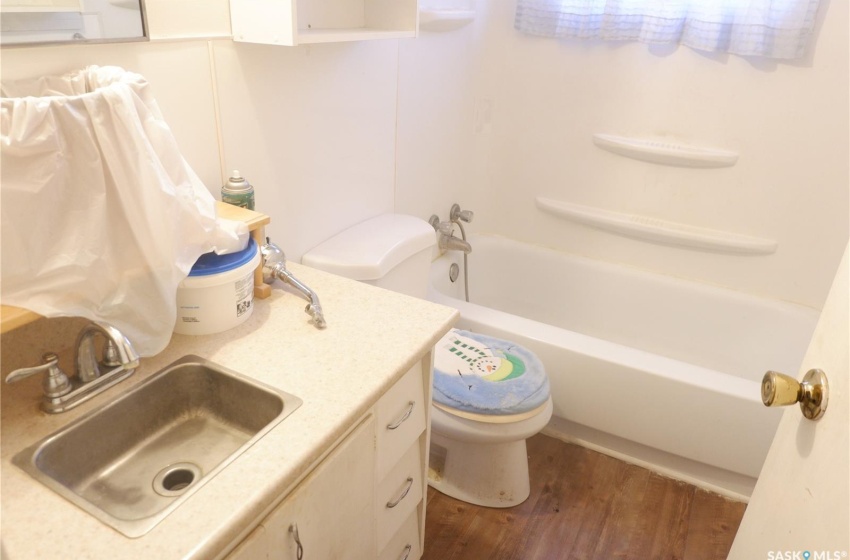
x=480, y=421
x=484, y=460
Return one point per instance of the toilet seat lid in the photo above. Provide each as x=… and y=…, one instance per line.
x=485, y=375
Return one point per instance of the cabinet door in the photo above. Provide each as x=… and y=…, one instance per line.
x=254, y=547
x=331, y=511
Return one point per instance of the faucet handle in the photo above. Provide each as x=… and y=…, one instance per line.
x=111, y=357
x=443, y=228
x=456, y=214
x=55, y=383
x=446, y=228
x=48, y=361
x=274, y=259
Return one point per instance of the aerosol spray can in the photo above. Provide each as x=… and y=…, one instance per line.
x=238, y=191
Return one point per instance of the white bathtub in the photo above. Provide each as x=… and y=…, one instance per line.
x=667, y=363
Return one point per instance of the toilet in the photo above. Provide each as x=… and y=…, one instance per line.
x=489, y=396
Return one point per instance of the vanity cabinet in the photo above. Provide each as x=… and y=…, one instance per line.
x=402, y=461
x=254, y=547
x=366, y=499
x=328, y=515
x=301, y=22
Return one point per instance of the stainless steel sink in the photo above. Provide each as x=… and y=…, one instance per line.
x=136, y=459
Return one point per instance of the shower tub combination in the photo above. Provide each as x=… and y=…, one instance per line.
x=661, y=371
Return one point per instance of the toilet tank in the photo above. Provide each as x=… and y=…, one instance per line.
x=392, y=251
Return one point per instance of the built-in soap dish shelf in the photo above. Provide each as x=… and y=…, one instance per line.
x=664, y=153
x=444, y=20
x=658, y=231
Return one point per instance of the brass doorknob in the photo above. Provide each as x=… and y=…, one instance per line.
x=778, y=389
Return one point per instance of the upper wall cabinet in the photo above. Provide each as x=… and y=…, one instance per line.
x=188, y=19
x=301, y=22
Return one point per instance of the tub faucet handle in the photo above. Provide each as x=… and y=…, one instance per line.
x=456, y=214
x=273, y=258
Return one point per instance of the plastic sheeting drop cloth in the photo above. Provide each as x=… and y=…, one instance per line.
x=101, y=215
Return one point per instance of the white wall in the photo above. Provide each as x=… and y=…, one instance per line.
x=314, y=128
x=179, y=77
x=547, y=97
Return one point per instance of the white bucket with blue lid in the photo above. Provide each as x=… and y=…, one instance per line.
x=218, y=294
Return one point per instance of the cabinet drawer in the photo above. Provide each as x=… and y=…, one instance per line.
x=407, y=536
x=331, y=507
x=398, y=494
x=399, y=422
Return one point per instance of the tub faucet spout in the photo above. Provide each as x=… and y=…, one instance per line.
x=452, y=243
x=446, y=240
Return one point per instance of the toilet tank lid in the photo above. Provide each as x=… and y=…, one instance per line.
x=370, y=249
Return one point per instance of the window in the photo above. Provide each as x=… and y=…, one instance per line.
x=770, y=28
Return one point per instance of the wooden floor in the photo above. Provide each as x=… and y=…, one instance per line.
x=585, y=506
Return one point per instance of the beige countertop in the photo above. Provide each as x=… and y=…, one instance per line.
x=373, y=337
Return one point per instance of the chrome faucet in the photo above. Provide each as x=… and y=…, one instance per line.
x=447, y=240
x=274, y=267
x=91, y=377
x=117, y=351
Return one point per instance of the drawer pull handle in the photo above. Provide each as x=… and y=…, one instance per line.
x=401, y=420
x=406, y=552
x=403, y=494
x=299, y=551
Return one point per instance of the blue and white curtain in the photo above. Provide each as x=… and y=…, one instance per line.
x=770, y=28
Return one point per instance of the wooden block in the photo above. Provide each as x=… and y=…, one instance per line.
x=262, y=291
x=13, y=317
x=253, y=219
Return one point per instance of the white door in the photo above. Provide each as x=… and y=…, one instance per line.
x=800, y=508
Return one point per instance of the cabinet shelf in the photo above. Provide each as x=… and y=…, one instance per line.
x=658, y=231
x=301, y=22
x=313, y=36
x=664, y=153
x=444, y=20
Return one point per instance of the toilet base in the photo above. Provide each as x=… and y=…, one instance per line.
x=484, y=474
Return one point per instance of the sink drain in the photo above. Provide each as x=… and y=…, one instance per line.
x=175, y=479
